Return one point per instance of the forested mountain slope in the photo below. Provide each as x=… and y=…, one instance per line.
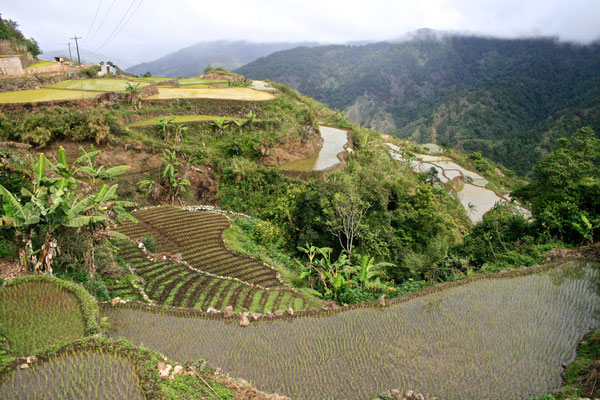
x=508, y=99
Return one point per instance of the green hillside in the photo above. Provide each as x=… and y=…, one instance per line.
x=508, y=99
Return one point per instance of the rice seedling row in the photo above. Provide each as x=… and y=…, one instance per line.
x=490, y=338
x=38, y=314
x=197, y=236
x=85, y=375
x=177, y=285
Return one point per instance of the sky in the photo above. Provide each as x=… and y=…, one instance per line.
x=144, y=30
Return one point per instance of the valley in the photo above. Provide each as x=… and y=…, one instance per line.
x=220, y=237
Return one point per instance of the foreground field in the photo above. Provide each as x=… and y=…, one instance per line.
x=37, y=95
x=86, y=375
x=37, y=314
x=235, y=93
x=493, y=338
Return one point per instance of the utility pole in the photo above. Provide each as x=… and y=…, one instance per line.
x=77, y=45
x=70, y=56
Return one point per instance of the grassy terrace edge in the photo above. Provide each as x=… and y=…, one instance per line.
x=87, y=303
x=327, y=311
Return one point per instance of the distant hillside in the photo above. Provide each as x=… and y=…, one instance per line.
x=509, y=99
x=87, y=57
x=190, y=61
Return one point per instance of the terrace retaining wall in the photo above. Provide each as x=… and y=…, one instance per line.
x=11, y=66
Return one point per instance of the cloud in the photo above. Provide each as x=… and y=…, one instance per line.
x=158, y=27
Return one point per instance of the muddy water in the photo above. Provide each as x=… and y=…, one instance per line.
x=333, y=143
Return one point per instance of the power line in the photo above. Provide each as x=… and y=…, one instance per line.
x=120, y=27
x=103, y=20
x=70, y=55
x=93, y=21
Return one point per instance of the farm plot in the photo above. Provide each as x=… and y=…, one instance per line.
x=501, y=338
x=97, y=85
x=181, y=119
x=198, y=237
x=234, y=93
x=38, y=314
x=39, y=95
x=85, y=375
x=175, y=284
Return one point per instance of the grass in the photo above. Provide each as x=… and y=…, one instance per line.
x=235, y=93
x=96, y=85
x=151, y=79
x=488, y=338
x=42, y=63
x=38, y=95
x=183, y=119
x=204, y=86
x=38, y=314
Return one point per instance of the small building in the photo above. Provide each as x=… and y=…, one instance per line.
x=106, y=69
x=60, y=59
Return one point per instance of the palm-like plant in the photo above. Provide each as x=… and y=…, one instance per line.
x=171, y=182
x=132, y=93
x=53, y=206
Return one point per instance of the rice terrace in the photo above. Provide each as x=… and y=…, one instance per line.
x=413, y=219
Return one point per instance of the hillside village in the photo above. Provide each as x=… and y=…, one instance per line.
x=218, y=237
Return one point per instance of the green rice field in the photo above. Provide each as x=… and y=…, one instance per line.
x=192, y=81
x=38, y=314
x=198, y=237
x=233, y=93
x=84, y=375
x=492, y=338
x=38, y=95
x=97, y=85
x=41, y=63
x=181, y=119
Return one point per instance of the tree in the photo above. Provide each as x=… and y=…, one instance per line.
x=54, y=206
x=345, y=212
x=132, y=92
x=564, y=192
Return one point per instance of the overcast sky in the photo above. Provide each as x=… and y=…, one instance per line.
x=143, y=30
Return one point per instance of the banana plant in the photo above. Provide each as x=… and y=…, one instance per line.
x=92, y=170
x=54, y=206
x=368, y=272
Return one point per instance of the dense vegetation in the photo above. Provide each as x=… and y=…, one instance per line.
x=508, y=99
x=9, y=31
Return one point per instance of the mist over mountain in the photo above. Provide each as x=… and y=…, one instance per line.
x=192, y=60
x=507, y=98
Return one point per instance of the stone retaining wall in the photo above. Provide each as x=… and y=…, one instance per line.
x=10, y=66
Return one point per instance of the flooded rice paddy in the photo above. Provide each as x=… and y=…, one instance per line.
x=334, y=140
x=235, y=93
x=491, y=338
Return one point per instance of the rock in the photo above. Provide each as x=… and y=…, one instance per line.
x=410, y=394
x=31, y=359
x=278, y=313
x=269, y=315
x=191, y=373
x=204, y=365
x=161, y=365
x=24, y=366
x=115, y=301
x=386, y=394
x=244, y=321
x=178, y=370
x=228, y=312
x=382, y=300
x=218, y=371
x=256, y=316
x=420, y=396
x=290, y=311
x=212, y=310
x=396, y=394
x=166, y=372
